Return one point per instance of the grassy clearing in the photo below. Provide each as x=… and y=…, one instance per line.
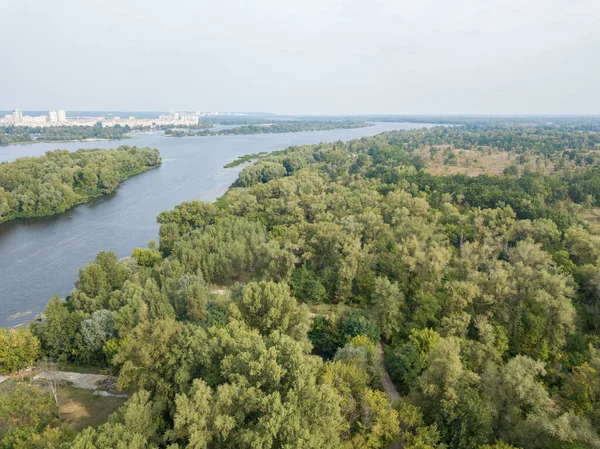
x=81, y=408
x=470, y=163
x=330, y=309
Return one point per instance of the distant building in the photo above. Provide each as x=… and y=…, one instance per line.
x=17, y=116
x=62, y=116
x=53, y=116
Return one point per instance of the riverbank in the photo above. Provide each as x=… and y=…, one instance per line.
x=84, y=199
x=274, y=128
x=41, y=256
x=91, y=139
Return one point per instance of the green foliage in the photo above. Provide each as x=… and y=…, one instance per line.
x=307, y=287
x=135, y=426
x=388, y=302
x=404, y=364
x=146, y=257
x=28, y=418
x=26, y=134
x=271, y=128
x=51, y=184
x=269, y=307
x=355, y=323
x=484, y=290
x=59, y=330
x=19, y=348
x=246, y=158
x=326, y=337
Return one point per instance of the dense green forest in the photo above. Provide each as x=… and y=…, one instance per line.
x=50, y=184
x=276, y=127
x=270, y=318
x=27, y=134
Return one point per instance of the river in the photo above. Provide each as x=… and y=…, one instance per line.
x=41, y=256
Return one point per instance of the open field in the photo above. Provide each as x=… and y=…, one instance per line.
x=470, y=163
x=81, y=408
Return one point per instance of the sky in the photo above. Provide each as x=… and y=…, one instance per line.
x=302, y=56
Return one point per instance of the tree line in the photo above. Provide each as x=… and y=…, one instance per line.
x=255, y=321
x=276, y=127
x=55, y=182
x=28, y=134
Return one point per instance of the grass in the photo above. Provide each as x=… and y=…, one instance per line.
x=470, y=163
x=81, y=408
x=246, y=158
x=82, y=369
x=331, y=309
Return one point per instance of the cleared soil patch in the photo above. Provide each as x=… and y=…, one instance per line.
x=81, y=408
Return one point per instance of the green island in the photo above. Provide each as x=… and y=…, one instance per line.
x=25, y=134
x=55, y=182
x=277, y=127
x=427, y=289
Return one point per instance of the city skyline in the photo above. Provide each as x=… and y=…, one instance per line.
x=59, y=118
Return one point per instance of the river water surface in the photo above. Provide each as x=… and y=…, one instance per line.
x=41, y=256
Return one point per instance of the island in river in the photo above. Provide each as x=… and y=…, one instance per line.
x=273, y=128
x=55, y=182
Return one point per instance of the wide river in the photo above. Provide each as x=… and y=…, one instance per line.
x=41, y=256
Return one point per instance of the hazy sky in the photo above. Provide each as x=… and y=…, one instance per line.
x=302, y=56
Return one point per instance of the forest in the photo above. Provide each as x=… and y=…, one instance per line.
x=273, y=317
x=276, y=127
x=55, y=182
x=27, y=134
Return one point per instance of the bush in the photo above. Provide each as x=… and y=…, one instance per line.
x=356, y=323
x=307, y=287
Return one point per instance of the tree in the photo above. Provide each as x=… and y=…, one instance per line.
x=19, y=348
x=134, y=426
x=159, y=356
x=307, y=287
x=388, y=301
x=52, y=382
x=404, y=364
x=414, y=434
x=326, y=336
x=26, y=411
x=355, y=323
x=146, y=257
x=269, y=306
x=370, y=420
x=59, y=329
x=96, y=331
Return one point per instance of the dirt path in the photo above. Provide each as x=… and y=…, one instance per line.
x=76, y=380
x=388, y=385
x=389, y=388
x=84, y=381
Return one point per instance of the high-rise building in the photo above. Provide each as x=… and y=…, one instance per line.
x=53, y=116
x=17, y=116
x=62, y=116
